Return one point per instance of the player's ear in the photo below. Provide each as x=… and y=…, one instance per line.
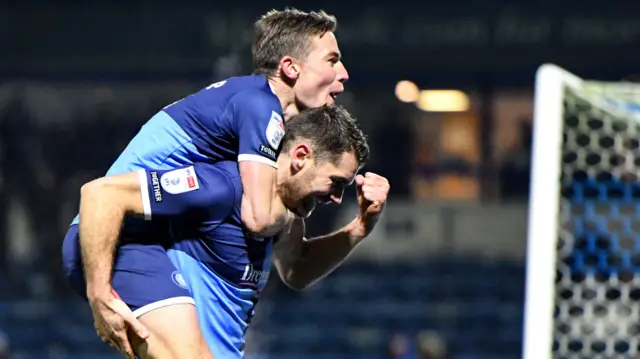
x=289, y=68
x=300, y=156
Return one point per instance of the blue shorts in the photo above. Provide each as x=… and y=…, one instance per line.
x=143, y=275
x=224, y=310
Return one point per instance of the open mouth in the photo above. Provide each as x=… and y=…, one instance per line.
x=335, y=94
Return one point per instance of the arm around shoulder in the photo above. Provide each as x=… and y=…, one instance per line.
x=104, y=202
x=260, y=128
x=123, y=191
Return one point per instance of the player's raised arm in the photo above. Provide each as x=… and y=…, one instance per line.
x=322, y=151
x=260, y=130
x=302, y=262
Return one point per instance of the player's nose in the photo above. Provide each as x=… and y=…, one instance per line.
x=342, y=73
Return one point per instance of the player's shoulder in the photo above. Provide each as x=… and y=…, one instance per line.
x=239, y=86
x=254, y=91
x=229, y=169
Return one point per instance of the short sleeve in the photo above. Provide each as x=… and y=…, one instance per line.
x=196, y=189
x=260, y=126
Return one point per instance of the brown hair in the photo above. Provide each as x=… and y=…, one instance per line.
x=280, y=33
x=332, y=131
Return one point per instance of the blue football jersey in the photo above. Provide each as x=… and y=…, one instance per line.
x=224, y=267
x=238, y=119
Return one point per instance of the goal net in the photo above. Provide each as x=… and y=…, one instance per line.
x=583, y=297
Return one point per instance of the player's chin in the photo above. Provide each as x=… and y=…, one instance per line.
x=307, y=213
x=319, y=102
x=330, y=100
x=322, y=98
x=305, y=210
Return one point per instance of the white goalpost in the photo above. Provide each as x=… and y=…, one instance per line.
x=582, y=294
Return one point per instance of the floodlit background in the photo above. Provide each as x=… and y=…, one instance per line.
x=444, y=90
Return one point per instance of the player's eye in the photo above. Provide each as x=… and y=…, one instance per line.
x=338, y=185
x=340, y=181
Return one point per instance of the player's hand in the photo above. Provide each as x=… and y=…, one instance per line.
x=372, y=190
x=112, y=317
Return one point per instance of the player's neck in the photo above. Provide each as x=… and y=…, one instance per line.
x=286, y=96
x=283, y=166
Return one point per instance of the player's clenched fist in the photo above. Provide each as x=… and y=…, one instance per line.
x=372, y=192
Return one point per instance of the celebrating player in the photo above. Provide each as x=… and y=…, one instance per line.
x=215, y=262
x=297, y=65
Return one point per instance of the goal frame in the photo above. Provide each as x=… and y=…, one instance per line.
x=544, y=207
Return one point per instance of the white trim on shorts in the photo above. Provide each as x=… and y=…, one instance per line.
x=144, y=191
x=257, y=158
x=163, y=303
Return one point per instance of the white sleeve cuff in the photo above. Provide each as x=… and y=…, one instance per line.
x=144, y=191
x=257, y=158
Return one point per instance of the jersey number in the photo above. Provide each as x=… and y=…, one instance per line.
x=216, y=84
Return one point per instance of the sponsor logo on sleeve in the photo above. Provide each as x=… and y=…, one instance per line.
x=275, y=130
x=155, y=184
x=267, y=151
x=180, y=181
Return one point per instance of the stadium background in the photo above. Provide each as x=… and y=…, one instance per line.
x=443, y=275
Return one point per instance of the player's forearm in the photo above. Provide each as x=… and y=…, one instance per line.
x=103, y=205
x=100, y=222
x=310, y=260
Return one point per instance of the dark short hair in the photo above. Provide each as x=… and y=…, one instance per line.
x=331, y=130
x=280, y=33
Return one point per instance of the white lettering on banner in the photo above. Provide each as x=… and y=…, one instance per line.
x=513, y=26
